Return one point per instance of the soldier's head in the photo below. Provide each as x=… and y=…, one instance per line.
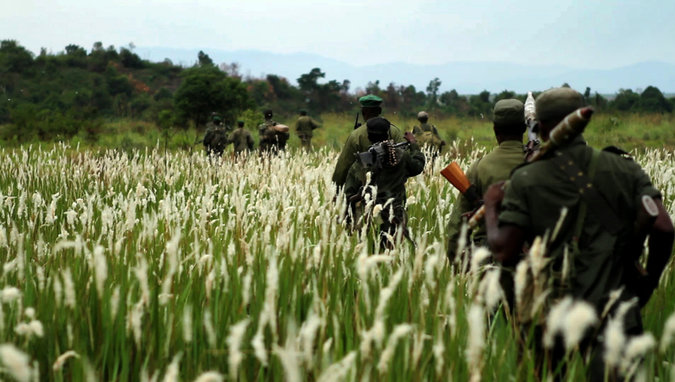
x=217, y=120
x=423, y=116
x=509, y=120
x=303, y=112
x=377, y=129
x=370, y=106
x=554, y=105
x=268, y=113
x=240, y=123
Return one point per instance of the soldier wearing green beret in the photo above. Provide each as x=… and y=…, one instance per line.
x=304, y=127
x=241, y=139
x=509, y=127
x=358, y=139
x=215, y=139
x=610, y=206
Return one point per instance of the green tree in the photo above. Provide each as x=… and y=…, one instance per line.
x=207, y=89
x=626, y=100
x=432, y=93
x=203, y=59
x=653, y=101
x=14, y=58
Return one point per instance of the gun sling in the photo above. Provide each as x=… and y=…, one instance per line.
x=595, y=202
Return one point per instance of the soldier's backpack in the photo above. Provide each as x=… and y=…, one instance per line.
x=428, y=138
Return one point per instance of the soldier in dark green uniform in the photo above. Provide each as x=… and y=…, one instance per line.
x=397, y=165
x=272, y=139
x=605, y=195
x=358, y=139
x=215, y=138
x=304, y=127
x=427, y=134
x=509, y=127
x=241, y=139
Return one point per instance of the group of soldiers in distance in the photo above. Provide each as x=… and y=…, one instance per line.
x=274, y=136
x=596, y=207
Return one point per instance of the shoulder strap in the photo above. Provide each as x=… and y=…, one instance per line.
x=594, y=201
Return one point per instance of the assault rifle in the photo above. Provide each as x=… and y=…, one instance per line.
x=356, y=121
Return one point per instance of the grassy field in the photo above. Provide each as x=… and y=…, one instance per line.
x=147, y=265
x=628, y=131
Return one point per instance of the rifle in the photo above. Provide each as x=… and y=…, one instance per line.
x=375, y=157
x=564, y=132
x=356, y=121
x=532, y=127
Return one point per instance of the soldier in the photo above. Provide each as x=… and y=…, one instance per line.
x=395, y=166
x=241, y=139
x=508, y=126
x=605, y=195
x=215, y=138
x=427, y=134
x=304, y=127
x=358, y=139
x=273, y=136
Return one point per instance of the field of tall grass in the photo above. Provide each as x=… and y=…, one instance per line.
x=164, y=265
x=629, y=131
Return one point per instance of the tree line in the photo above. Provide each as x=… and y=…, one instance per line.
x=51, y=96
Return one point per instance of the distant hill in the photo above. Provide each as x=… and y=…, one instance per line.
x=465, y=77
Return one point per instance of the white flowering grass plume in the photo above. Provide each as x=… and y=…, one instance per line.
x=234, y=341
x=16, y=363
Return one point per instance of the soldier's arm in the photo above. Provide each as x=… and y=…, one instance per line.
x=315, y=124
x=660, y=249
x=505, y=240
x=416, y=163
x=250, y=141
x=344, y=162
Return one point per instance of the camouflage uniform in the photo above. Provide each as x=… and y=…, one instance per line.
x=242, y=140
x=304, y=127
x=215, y=139
x=270, y=139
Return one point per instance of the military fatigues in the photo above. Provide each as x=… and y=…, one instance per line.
x=357, y=142
x=215, y=139
x=494, y=167
x=533, y=201
x=270, y=139
x=242, y=140
x=390, y=182
x=304, y=127
x=427, y=135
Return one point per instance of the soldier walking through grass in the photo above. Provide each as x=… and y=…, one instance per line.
x=304, y=127
x=608, y=206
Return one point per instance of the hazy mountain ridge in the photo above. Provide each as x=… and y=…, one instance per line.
x=465, y=77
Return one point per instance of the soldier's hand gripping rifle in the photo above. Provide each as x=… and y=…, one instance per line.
x=564, y=132
x=532, y=127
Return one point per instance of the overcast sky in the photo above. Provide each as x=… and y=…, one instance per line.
x=583, y=34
